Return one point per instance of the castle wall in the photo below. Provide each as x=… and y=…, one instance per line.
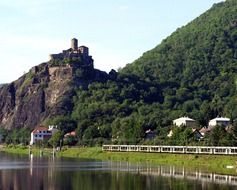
x=74, y=52
x=84, y=50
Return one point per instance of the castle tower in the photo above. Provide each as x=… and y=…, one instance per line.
x=74, y=44
x=84, y=50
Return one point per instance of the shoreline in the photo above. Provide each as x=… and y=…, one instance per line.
x=207, y=163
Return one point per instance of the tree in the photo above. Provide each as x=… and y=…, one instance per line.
x=182, y=136
x=70, y=140
x=64, y=123
x=3, y=133
x=54, y=141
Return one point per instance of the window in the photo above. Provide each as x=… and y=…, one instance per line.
x=35, y=135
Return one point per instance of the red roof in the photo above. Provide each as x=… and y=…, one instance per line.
x=39, y=128
x=73, y=133
x=204, y=130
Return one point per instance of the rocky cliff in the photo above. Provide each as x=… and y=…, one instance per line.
x=44, y=92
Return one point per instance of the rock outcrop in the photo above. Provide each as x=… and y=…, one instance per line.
x=44, y=92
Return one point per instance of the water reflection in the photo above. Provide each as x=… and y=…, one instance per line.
x=33, y=173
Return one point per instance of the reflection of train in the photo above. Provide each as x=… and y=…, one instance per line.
x=172, y=149
x=190, y=175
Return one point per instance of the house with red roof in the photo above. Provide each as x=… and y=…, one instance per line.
x=72, y=134
x=70, y=138
x=40, y=133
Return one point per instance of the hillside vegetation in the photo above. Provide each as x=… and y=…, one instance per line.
x=191, y=73
x=196, y=66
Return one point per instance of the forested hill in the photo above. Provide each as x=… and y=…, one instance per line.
x=196, y=67
x=191, y=73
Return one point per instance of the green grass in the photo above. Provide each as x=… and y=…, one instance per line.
x=18, y=149
x=206, y=163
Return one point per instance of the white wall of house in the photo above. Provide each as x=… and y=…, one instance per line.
x=186, y=121
x=219, y=121
x=35, y=137
x=39, y=136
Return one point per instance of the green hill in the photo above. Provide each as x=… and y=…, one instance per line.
x=196, y=66
x=191, y=73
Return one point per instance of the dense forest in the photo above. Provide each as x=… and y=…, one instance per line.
x=196, y=66
x=191, y=73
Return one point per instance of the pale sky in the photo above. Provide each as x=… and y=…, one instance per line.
x=116, y=31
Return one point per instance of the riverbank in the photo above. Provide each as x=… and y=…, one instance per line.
x=208, y=163
x=24, y=150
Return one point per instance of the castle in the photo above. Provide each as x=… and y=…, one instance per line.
x=73, y=52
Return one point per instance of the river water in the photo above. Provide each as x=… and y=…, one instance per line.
x=39, y=173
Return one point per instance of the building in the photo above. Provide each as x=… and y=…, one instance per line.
x=197, y=134
x=204, y=131
x=70, y=134
x=40, y=133
x=74, y=44
x=149, y=134
x=73, y=52
x=184, y=121
x=221, y=121
x=70, y=138
x=53, y=129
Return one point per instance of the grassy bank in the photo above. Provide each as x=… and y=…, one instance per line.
x=208, y=163
x=24, y=150
x=15, y=149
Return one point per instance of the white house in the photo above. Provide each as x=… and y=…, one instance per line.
x=53, y=129
x=185, y=121
x=222, y=121
x=182, y=121
x=40, y=133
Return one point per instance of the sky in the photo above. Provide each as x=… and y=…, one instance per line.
x=117, y=32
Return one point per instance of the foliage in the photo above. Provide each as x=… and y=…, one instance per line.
x=196, y=66
x=192, y=72
x=56, y=139
x=63, y=123
x=70, y=140
x=16, y=136
x=220, y=137
x=182, y=136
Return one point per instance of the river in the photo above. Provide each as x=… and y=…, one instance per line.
x=47, y=173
